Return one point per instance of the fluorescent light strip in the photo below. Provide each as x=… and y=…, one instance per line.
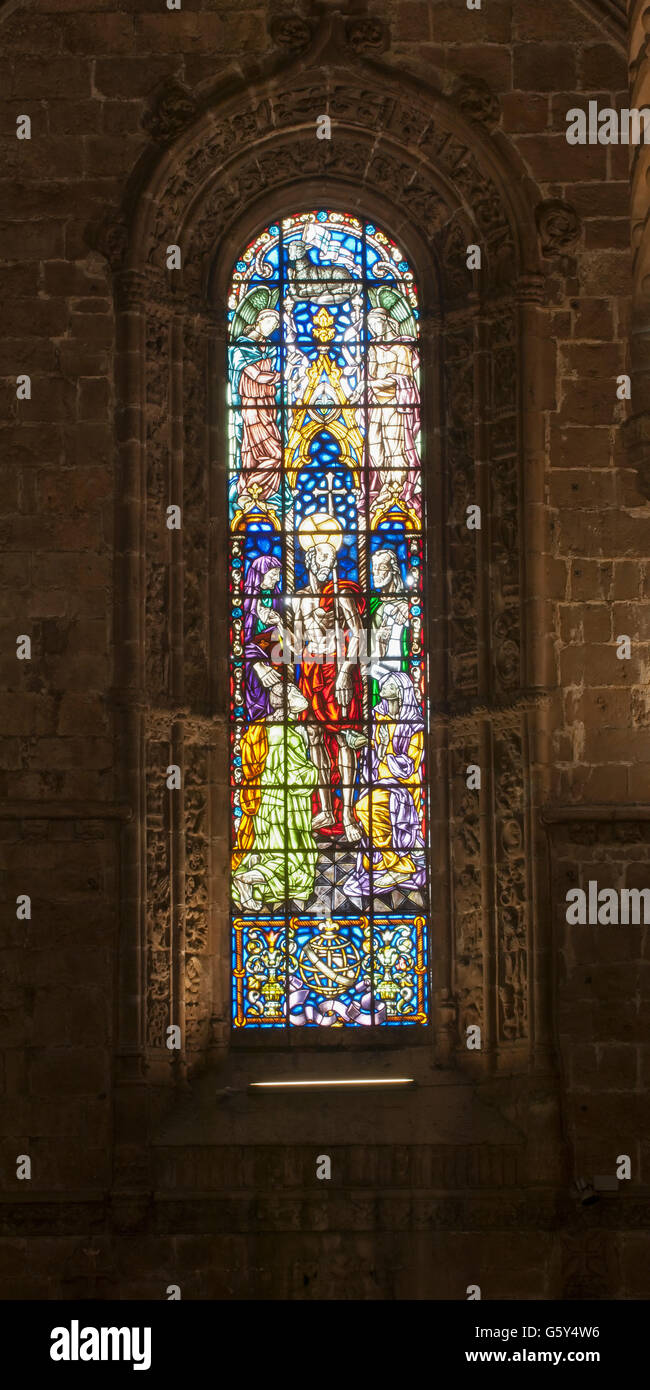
x=362, y=1081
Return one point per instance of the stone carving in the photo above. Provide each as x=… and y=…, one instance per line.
x=220, y=147
x=425, y=204
x=235, y=191
x=157, y=475
x=172, y=108
x=484, y=221
x=477, y=100
x=459, y=442
x=158, y=959
x=408, y=123
x=558, y=227
x=467, y=893
x=290, y=32
x=197, y=1003
x=110, y=237
x=507, y=650
x=504, y=503
x=367, y=35
x=196, y=520
x=504, y=370
x=452, y=242
x=512, y=962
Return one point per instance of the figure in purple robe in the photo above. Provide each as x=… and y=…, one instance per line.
x=390, y=805
x=261, y=632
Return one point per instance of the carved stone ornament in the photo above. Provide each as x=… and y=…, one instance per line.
x=477, y=100
x=173, y=108
x=290, y=32
x=366, y=35
x=110, y=238
x=558, y=227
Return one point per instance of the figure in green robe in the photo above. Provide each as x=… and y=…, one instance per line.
x=275, y=855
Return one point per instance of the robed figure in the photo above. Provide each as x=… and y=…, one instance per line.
x=261, y=631
x=390, y=805
x=254, y=380
x=275, y=854
x=393, y=419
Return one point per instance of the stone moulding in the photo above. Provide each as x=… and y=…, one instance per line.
x=597, y=825
x=609, y=13
x=184, y=1213
x=602, y=815
x=66, y=810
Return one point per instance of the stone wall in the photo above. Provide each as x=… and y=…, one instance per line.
x=75, y=1091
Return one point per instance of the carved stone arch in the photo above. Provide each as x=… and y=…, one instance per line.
x=447, y=141
x=439, y=179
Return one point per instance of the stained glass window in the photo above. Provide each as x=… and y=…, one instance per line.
x=329, y=876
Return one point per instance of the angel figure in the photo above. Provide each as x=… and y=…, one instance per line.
x=254, y=381
x=393, y=407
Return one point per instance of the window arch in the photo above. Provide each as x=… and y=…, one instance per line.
x=329, y=868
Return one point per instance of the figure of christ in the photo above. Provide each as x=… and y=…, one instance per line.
x=325, y=636
x=393, y=416
x=255, y=379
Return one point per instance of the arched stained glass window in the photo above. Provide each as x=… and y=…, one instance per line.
x=329, y=876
